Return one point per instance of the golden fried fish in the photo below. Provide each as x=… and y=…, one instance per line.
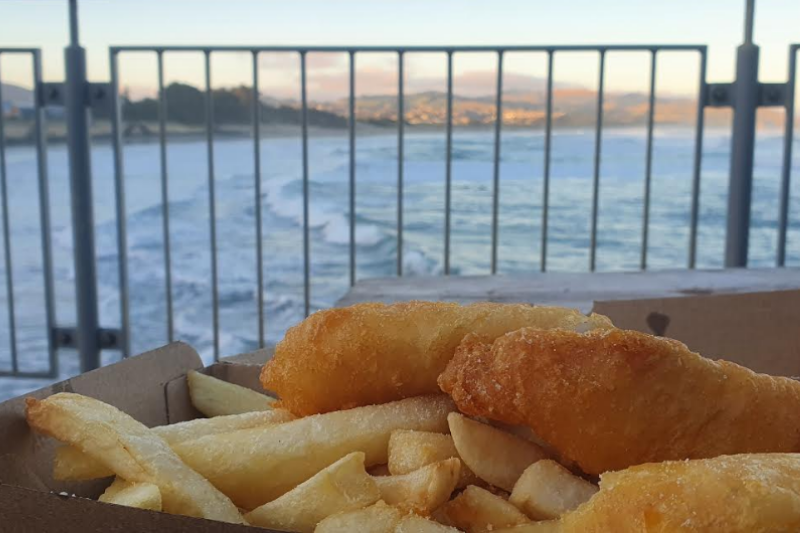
x=375, y=353
x=610, y=399
x=748, y=493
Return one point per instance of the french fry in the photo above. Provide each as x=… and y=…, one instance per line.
x=138, y=495
x=423, y=490
x=200, y=427
x=343, y=486
x=74, y=465
x=131, y=450
x=254, y=466
x=477, y=510
x=71, y=464
x=496, y=456
x=547, y=526
x=410, y=450
x=379, y=470
x=547, y=490
x=380, y=518
x=417, y=524
x=214, y=397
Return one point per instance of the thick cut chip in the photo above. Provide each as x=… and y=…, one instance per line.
x=422, y=490
x=410, y=450
x=138, y=495
x=255, y=466
x=417, y=524
x=476, y=510
x=131, y=450
x=214, y=397
x=547, y=490
x=200, y=427
x=379, y=470
x=548, y=526
x=380, y=518
x=343, y=486
x=72, y=464
x=496, y=456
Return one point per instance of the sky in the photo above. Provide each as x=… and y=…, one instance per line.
x=103, y=23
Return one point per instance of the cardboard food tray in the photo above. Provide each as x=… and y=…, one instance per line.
x=758, y=330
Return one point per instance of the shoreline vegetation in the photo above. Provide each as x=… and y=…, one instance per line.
x=573, y=109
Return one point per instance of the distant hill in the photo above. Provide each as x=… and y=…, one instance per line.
x=572, y=107
x=16, y=95
x=186, y=105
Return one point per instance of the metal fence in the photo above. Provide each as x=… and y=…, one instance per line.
x=353, y=53
x=744, y=96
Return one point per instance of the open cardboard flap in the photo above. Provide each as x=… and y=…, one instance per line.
x=758, y=330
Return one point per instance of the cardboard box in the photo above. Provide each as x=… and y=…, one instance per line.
x=758, y=330
x=151, y=388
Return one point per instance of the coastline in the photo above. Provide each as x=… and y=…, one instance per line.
x=144, y=133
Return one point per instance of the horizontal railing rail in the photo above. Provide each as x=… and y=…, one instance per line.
x=415, y=49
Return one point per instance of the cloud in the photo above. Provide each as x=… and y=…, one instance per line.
x=291, y=60
x=376, y=74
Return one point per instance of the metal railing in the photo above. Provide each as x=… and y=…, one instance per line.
x=786, y=165
x=353, y=52
x=744, y=96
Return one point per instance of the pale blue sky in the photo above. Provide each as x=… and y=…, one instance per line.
x=718, y=23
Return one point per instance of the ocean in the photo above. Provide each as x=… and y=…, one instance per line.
x=521, y=170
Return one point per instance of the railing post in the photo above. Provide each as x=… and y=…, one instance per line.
x=77, y=112
x=745, y=101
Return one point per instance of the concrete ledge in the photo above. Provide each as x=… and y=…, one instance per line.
x=579, y=290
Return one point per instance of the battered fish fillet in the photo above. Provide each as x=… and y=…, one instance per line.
x=375, y=353
x=757, y=493
x=610, y=399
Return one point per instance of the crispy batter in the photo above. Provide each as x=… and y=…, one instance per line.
x=611, y=399
x=757, y=493
x=375, y=353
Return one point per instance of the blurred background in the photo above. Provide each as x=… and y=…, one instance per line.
x=242, y=132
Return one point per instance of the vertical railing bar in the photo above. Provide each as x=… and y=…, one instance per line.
x=257, y=190
x=548, y=131
x=786, y=172
x=648, y=161
x=162, y=142
x=122, y=214
x=597, y=151
x=351, y=130
x=212, y=203
x=306, y=234
x=698, y=163
x=448, y=178
x=44, y=214
x=498, y=125
x=400, y=124
x=7, y=244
